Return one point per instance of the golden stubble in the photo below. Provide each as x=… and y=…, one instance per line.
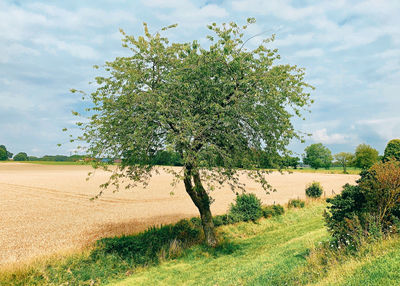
x=45, y=209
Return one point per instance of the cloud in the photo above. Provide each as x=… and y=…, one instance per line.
x=186, y=13
x=277, y=8
x=309, y=53
x=77, y=50
x=386, y=128
x=350, y=52
x=295, y=39
x=322, y=136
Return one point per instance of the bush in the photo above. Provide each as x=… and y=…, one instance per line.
x=296, y=204
x=219, y=220
x=247, y=207
x=314, y=190
x=274, y=210
x=146, y=247
x=369, y=210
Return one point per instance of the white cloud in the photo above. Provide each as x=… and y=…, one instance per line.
x=387, y=128
x=186, y=13
x=53, y=45
x=322, y=136
x=278, y=8
x=295, y=40
x=15, y=52
x=309, y=53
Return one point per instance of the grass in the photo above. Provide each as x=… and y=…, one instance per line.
x=48, y=162
x=332, y=170
x=266, y=253
x=375, y=264
x=56, y=163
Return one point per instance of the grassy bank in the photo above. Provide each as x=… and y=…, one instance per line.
x=266, y=253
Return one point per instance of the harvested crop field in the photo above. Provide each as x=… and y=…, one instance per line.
x=45, y=209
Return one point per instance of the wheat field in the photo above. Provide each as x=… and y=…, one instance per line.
x=45, y=209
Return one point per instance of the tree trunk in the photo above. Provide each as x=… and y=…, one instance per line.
x=201, y=199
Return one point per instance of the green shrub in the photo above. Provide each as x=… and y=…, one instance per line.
x=314, y=190
x=146, y=247
x=274, y=210
x=368, y=210
x=196, y=221
x=279, y=210
x=247, y=207
x=219, y=220
x=296, y=204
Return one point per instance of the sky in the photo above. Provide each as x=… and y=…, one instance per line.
x=349, y=49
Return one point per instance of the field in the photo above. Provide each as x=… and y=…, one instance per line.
x=45, y=209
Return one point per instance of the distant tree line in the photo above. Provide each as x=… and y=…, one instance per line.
x=316, y=156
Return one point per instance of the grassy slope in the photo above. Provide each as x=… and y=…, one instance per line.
x=378, y=264
x=274, y=252
x=266, y=253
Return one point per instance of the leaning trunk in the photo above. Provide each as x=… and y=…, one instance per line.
x=201, y=199
x=208, y=226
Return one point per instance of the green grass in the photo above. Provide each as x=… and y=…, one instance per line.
x=56, y=163
x=266, y=253
x=383, y=270
x=332, y=170
x=48, y=162
x=375, y=264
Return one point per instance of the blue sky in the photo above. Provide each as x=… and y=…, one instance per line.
x=350, y=50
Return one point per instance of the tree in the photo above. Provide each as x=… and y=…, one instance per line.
x=365, y=156
x=3, y=154
x=392, y=150
x=382, y=189
x=209, y=105
x=8, y=154
x=21, y=156
x=317, y=156
x=289, y=161
x=344, y=158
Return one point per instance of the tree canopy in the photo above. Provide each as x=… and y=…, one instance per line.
x=392, y=150
x=365, y=156
x=344, y=159
x=317, y=156
x=7, y=153
x=213, y=106
x=21, y=156
x=3, y=154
